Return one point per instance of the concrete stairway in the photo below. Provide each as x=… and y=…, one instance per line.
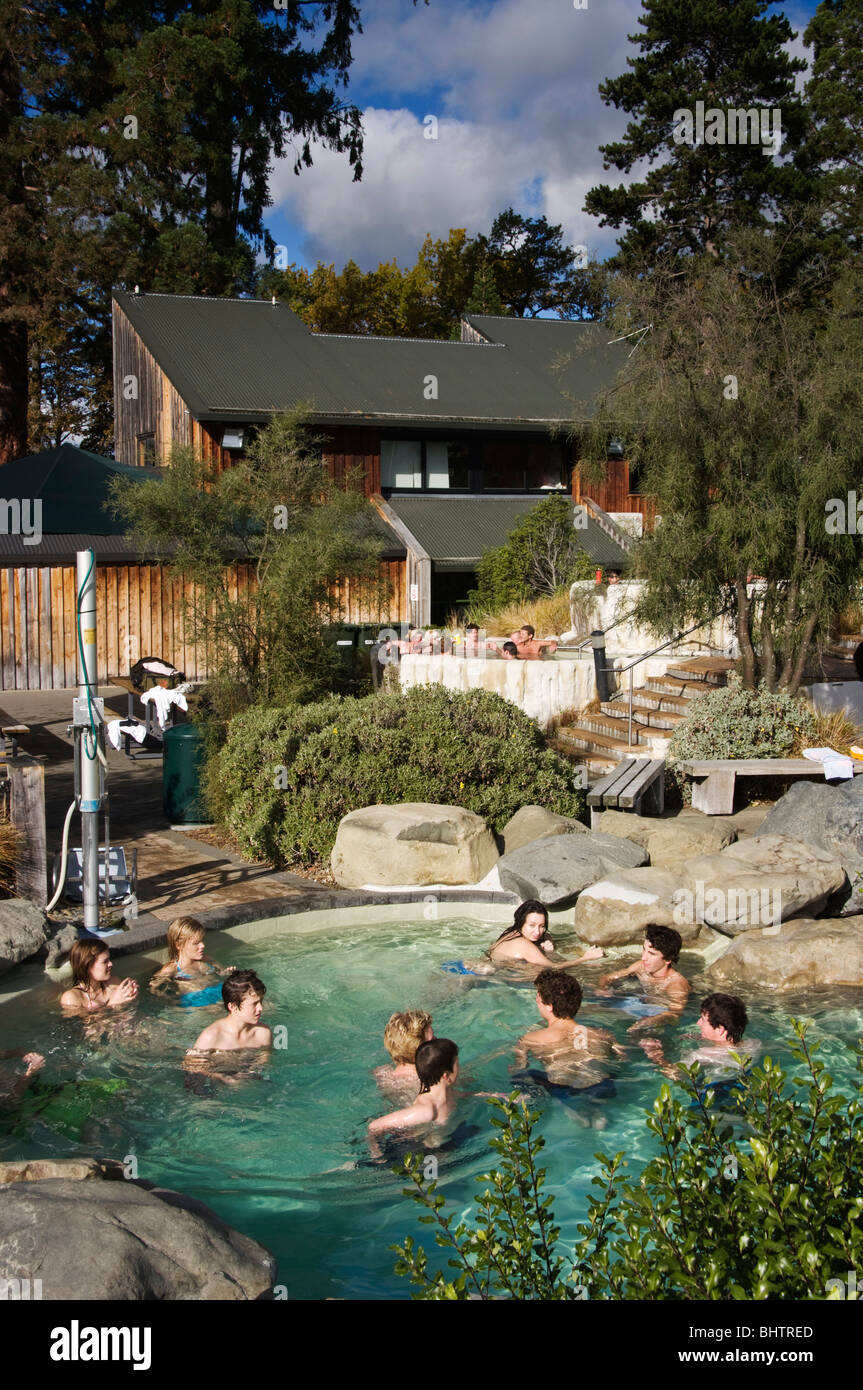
x=600, y=740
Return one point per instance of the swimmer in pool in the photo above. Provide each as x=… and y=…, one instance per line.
x=92, y=988
x=655, y=970
x=402, y=1036
x=437, y=1069
x=14, y=1084
x=240, y=1031
x=563, y=1044
x=528, y=943
x=721, y=1024
x=185, y=937
x=571, y=1052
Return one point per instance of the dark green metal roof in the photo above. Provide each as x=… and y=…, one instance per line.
x=457, y=531
x=72, y=484
x=244, y=359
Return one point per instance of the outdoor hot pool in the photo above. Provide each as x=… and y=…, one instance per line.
x=284, y=1158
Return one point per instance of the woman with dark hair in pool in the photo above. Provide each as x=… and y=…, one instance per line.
x=527, y=941
x=91, y=980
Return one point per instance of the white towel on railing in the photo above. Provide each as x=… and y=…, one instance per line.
x=163, y=700
x=837, y=768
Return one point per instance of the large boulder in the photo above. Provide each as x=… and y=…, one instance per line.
x=536, y=823
x=24, y=929
x=830, y=817
x=796, y=955
x=759, y=882
x=99, y=1240
x=615, y=911
x=555, y=870
x=412, y=843
x=670, y=840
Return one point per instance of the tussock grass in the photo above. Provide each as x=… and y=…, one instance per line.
x=835, y=730
x=9, y=842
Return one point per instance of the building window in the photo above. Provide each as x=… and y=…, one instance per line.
x=401, y=463
x=146, y=451
x=447, y=465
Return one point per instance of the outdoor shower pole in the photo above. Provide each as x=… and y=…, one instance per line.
x=88, y=731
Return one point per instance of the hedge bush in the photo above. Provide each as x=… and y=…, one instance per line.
x=735, y=723
x=288, y=776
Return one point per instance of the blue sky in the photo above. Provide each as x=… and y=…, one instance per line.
x=513, y=87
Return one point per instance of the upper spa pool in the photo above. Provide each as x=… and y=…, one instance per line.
x=284, y=1158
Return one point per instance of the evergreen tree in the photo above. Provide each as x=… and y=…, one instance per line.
x=149, y=162
x=740, y=407
x=484, y=296
x=532, y=267
x=835, y=96
x=729, y=55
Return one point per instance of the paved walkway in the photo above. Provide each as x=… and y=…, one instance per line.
x=176, y=873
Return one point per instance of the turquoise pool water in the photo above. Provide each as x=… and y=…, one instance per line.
x=277, y=1157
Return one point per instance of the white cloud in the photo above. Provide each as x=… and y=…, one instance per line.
x=514, y=85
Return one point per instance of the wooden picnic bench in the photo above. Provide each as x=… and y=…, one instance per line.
x=713, y=778
x=634, y=783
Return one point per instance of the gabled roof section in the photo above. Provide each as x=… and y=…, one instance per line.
x=244, y=359
x=457, y=530
x=72, y=485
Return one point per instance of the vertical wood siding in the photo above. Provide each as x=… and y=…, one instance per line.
x=139, y=612
x=613, y=493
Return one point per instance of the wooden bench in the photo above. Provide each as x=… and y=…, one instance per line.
x=634, y=783
x=11, y=733
x=713, y=778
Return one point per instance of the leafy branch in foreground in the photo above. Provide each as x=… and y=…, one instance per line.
x=761, y=1203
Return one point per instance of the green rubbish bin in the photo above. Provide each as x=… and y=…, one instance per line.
x=182, y=759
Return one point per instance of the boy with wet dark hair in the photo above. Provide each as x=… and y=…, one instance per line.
x=721, y=1022
x=436, y=1062
x=242, y=996
x=723, y=1019
x=655, y=970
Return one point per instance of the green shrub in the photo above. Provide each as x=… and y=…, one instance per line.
x=736, y=723
x=475, y=750
x=773, y=1214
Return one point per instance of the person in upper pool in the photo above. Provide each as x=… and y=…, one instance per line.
x=402, y=1036
x=91, y=975
x=437, y=1069
x=185, y=939
x=527, y=941
x=655, y=970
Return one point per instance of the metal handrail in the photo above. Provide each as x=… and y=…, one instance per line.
x=678, y=637
x=624, y=618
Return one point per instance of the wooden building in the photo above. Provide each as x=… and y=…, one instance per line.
x=487, y=420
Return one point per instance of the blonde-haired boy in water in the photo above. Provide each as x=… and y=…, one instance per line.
x=402, y=1036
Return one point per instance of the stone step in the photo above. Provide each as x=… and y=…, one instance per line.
x=673, y=685
x=609, y=724
x=647, y=716
x=651, y=699
x=600, y=745
x=840, y=653
x=710, y=669
x=848, y=644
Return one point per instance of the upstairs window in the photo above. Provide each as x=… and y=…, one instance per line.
x=146, y=450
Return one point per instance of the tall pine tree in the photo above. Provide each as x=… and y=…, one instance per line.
x=137, y=143
x=835, y=95
x=727, y=54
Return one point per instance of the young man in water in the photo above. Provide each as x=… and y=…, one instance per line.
x=562, y=1043
x=240, y=1030
x=529, y=646
x=437, y=1068
x=655, y=970
x=721, y=1023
